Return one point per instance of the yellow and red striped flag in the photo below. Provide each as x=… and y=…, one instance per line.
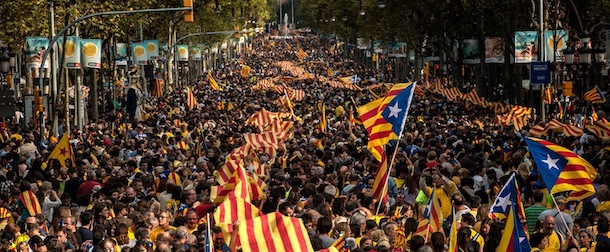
x=520, y=122
x=432, y=218
x=547, y=95
x=600, y=129
x=383, y=118
x=235, y=185
x=30, y=202
x=474, y=97
x=282, y=129
x=158, y=91
x=261, y=140
x=213, y=82
x=562, y=170
x=572, y=130
x=538, y=130
x=191, y=101
x=594, y=96
x=263, y=118
x=380, y=186
x=235, y=209
x=301, y=54
x=273, y=232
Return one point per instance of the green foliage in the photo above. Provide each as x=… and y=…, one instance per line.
x=30, y=18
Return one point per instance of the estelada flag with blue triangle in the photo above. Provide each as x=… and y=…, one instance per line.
x=508, y=196
x=514, y=237
x=562, y=170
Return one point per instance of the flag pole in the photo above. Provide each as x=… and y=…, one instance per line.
x=383, y=192
x=560, y=215
x=402, y=128
x=208, y=233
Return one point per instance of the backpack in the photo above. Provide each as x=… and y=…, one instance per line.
x=473, y=245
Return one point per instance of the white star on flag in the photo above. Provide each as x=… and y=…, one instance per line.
x=503, y=202
x=394, y=110
x=552, y=163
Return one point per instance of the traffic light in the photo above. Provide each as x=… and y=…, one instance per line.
x=567, y=88
x=38, y=107
x=236, y=35
x=188, y=14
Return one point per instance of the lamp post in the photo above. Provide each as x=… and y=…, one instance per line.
x=4, y=66
x=12, y=61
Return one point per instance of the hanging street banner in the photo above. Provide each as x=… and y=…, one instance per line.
x=526, y=46
x=71, y=52
x=554, y=42
x=183, y=53
x=471, y=51
x=152, y=48
x=139, y=54
x=196, y=53
x=34, y=49
x=494, y=50
x=121, y=54
x=91, y=50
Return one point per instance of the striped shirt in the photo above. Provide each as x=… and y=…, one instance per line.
x=531, y=215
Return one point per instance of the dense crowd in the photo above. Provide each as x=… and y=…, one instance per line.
x=144, y=185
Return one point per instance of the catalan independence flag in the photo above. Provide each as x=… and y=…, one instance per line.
x=562, y=170
x=594, y=96
x=514, y=237
x=509, y=195
x=323, y=126
x=29, y=201
x=432, y=218
x=191, y=101
x=380, y=186
x=384, y=118
x=273, y=232
x=213, y=82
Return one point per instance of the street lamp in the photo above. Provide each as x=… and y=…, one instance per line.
x=12, y=60
x=599, y=54
x=217, y=9
x=362, y=12
x=568, y=53
x=4, y=66
x=4, y=62
x=381, y=4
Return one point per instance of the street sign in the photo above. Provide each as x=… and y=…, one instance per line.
x=540, y=73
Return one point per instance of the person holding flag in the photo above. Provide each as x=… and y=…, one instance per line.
x=442, y=187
